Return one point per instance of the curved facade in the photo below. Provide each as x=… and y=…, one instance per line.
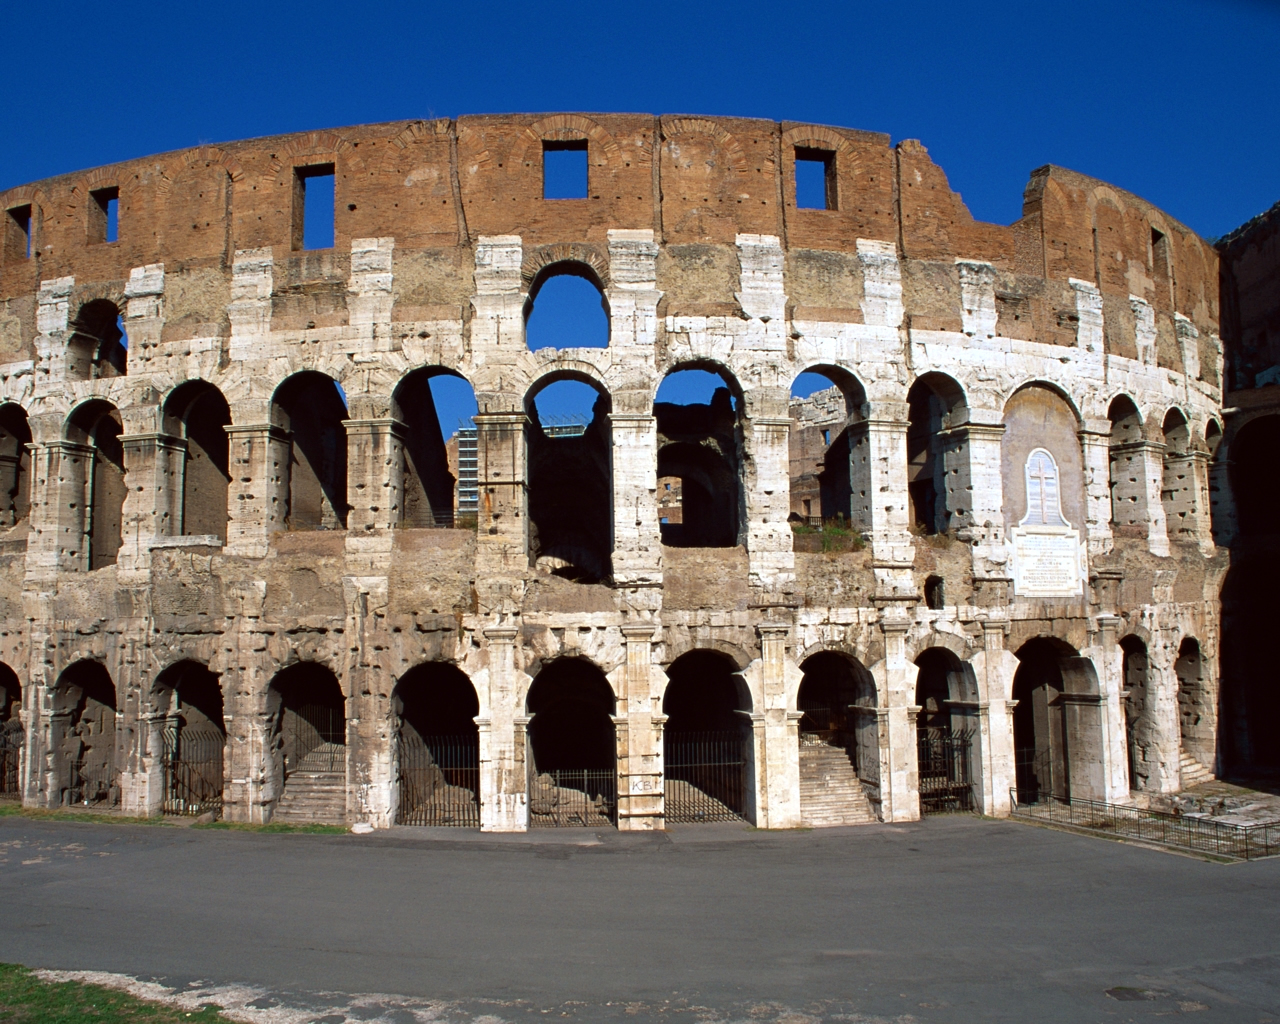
x=1012, y=463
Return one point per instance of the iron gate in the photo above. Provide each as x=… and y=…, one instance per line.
x=945, y=781
x=1033, y=773
x=705, y=775
x=191, y=761
x=91, y=782
x=314, y=739
x=10, y=750
x=439, y=780
x=571, y=797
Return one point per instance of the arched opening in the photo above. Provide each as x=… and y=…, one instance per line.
x=97, y=345
x=1217, y=479
x=311, y=407
x=11, y=734
x=308, y=744
x=1254, y=483
x=437, y=747
x=97, y=425
x=934, y=404
x=15, y=465
x=1059, y=749
x=700, y=501
x=83, y=737
x=1138, y=715
x=1129, y=513
x=1196, y=717
x=1038, y=417
x=826, y=413
x=566, y=308
x=436, y=407
x=193, y=737
x=1249, y=697
x=935, y=595
x=570, y=479
x=197, y=413
x=944, y=733
x=707, y=740
x=1178, y=486
x=839, y=741
x=571, y=751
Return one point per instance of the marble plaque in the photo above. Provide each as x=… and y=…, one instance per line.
x=1047, y=562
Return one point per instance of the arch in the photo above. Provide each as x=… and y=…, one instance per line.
x=307, y=743
x=705, y=691
x=1197, y=718
x=310, y=407
x=434, y=707
x=737, y=655
x=565, y=127
x=1250, y=700
x=1139, y=714
x=674, y=127
x=543, y=262
x=96, y=425
x=82, y=737
x=1038, y=417
x=15, y=465
x=572, y=750
x=11, y=733
x=1254, y=484
x=435, y=494
x=1178, y=488
x=837, y=700
x=946, y=729
x=197, y=413
x=96, y=342
x=188, y=701
x=821, y=443
x=568, y=308
x=935, y=403
x=1130, y=514
x=1047, y=385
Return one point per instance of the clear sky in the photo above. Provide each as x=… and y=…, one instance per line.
x=1177, y=100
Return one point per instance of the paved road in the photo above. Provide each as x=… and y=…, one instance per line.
x=953, y=919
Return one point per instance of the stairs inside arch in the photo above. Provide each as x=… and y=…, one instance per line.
x=314, y=793
x=830, y=792
x=1193, y=772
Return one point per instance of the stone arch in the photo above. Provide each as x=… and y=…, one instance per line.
x=416, y=131
x=433, y=708
x=307, y=741
x=1048, y=385
x=1179, y=489
x=546, y=261
x=703, y=664
x=1127, y=454
x=1139, y=711
x=197, y=413
x=96, y=425
x=11, y=732
x=565, y=128
x=818, y=136
x=433, y=495
x=309, y=406
x=674, y=127
x=935, y=403
x=1040, y=416
x=837, y=701
x=824, y=439
x=1197, y=711
x=189, y=733
x=83, y=738
x=675, y=649
x=96, y=346
x=15, y=464
x=957, y=645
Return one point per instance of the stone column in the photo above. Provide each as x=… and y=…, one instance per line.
x=878, y=473
x=1186, y=497
x=504, y=783
x=61, y=496
x=994, y=668
x=503, y=534
x=144, y=314
x=375, y=490
x=639, y=733
x=777, y=733
x=1095, y=442
x=1108, y=661
x=1164, y=762
x=637, y=545
x=251, y=768
x=771, y=560
x=155, y=465
x=258, y=496
x=975, y=489
x=896, y=712
x=1136, y=471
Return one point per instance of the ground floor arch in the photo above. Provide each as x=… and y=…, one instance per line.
x=11, y=734
x=437, y=747
x=1141, y=727
x=571, y=750
x=1197, y=710
x=946, y=732
x=84, y=768
x=707, y=742
x=191, y=736
x=839, y=733
x=308, y=752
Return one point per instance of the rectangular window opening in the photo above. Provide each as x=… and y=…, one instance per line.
x=564, y=170
x=313, y=199
x=104, y=214
x=17, y=231
x=1159, y=252
x=815, y=179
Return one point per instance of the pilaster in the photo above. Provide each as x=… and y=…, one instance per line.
x=1095, y=443
x=504, y=783
x=639, y=734
x=258, y=496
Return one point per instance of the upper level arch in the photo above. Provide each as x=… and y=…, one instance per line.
x=311, y=407
x=197, y=413
x=97, y=345
x=567, y=307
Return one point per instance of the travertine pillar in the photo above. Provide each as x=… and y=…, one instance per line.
x=375, y=490
x=1136, y=471
x=896, y=712
x=639, y=733
x=504, y=785
x=878, y=473
x=1164, y=732
x=1095, y=442
x=258, y=496
x=637, y=545
x=61, y=496
x=503, y=533
x=994, y=668
x=777, y=743
x=771, y=561
x=154, y=465
x=1108, y=663
x=252, y=768
x=975, y=489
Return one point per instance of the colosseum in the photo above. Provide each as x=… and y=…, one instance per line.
x=248, y=572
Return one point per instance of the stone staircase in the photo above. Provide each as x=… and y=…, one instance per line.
x=830, y=793
x=315, y=792
x=1193, y=772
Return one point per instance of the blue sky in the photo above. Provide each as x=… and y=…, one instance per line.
x=1177, y=101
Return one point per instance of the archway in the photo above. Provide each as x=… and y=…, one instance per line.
x=1196, y=717
x=436, y=407
x=839, y=741
x=1127, y=451
x=311, y=407
x=566, y=308
x=571, y=750
x=944, y=733
x=1138, y=714
x=97, y=425
x=708, y=761
x=825, y=410
x=97, y=345
x=11, y=733
x=933, y=402
x=308, y=743
x=700, y=499
x=570, y=478
x=437, y=747
x=15, y=465
x=1178, y=485
x=193, y=736
x=83, y=737
x=197, y=413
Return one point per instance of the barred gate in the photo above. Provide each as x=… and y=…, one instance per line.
x=315, y=739
x=945, y=781
x=10, y=750
x=705, y=776
x=191, y=762
x=1033, y=774
x=439, y=780
x=572, y=797
x=92, y=782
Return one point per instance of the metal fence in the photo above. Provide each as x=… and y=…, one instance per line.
x=945, y=781
x=10, y=751
x=314, y=739
x=439, y=780
x=1183, y=832
x=572, y=797
x=705, y=776
x=91, y=782
x=191, y=761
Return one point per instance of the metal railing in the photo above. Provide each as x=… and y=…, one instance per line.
x=314, y=739
x=705, y=776
x=569, y=797
x=91, y=783
x=439, y=780
x=1179, y=831
x=815, y=720
x=10, y=751
x=943, y=761
x=191, y=761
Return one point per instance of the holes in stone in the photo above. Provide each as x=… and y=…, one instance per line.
x=104, y=214
x=815, y=173
x=564, y=169
x=313, y=203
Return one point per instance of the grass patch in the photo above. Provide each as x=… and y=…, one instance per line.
x=311, y=830
x=26, y=999
x=833, y=536
x=16, y=810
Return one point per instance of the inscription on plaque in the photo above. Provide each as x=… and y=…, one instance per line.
x=1047, y=557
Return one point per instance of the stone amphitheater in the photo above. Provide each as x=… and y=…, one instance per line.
x=977, y=565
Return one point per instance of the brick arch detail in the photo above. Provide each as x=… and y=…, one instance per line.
x=416, y=131
x=567, y=127
x=673, y=127
x=193, y=159
x=823, y=138
x=538, y=259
